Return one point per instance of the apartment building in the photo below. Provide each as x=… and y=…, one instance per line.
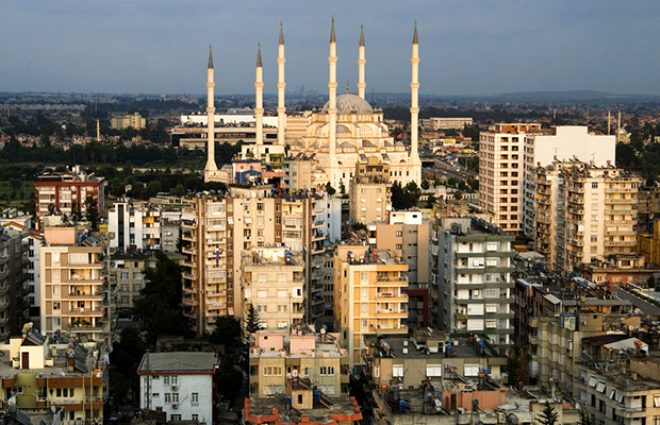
x=123, y=122
x=563, y=143
x=11, y=282
x=181, y=384
x=31, y=284
x=217, y=231
x=66, y=193
x=648, y=244
x=501, y=173
x=127, y=275
x=407, y=236
x=471, y=266
x=584, y=213
x=71, y=286
x=368, y=295
x=301, y=172
x=38, y=374
x=306, y=367
x=144, y=226
x=370, y=195
x=273, y=281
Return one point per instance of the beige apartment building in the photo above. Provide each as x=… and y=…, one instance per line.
x=71, y=286
x=584, y=213
x=280, y=360
x=501, y=173
x=225, y=228
x=127, y=273
x=273, y=281
x=368, y=295
x=370, y=192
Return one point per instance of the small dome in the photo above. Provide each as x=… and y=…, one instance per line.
x=350, y=104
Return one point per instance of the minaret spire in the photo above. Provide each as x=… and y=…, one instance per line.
x=332, y=106
x=362, y=61
x=414, y=103
x=210, y=168
x=281, y=85
x=259, y=102
x=609, y=122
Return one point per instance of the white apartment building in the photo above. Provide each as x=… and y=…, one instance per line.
x=125, y=223
x=181, y=384
x=564, y=144
x=501, y=173
x=471, y=269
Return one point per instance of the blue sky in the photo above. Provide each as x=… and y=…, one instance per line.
x=467, y=47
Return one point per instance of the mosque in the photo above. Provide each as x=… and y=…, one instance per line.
x=345, y=132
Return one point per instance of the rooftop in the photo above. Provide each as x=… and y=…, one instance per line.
x=181, y=361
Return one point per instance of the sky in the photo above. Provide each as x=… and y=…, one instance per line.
x=467, y=47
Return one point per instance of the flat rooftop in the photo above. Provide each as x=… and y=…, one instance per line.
x=178, y=361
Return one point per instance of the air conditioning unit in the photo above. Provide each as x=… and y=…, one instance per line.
x=175, y=388
x=175, y=406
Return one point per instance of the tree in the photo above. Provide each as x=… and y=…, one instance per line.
x=518, y=365
x=331, y=190
x=425, y=184
x=252, y=323
x=585, y=418
x=159, y=307
x=124, y=361
x=232, y=379
x=549, y=415
x=404, y=198
x=227, y=332
x=92, y=212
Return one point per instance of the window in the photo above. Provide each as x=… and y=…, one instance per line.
x=194, y=399
x=175, y=417
x=656, y=400
x=195, y=417
x=168, y=398
x=166, y=380
x=433, y=370
x=175, y=397
x=397, y=371
x=471, y=370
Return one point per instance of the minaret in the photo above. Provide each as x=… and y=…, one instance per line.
x=609, y=122
x=332, y=104
x=98, y=130
x=281, y=85
x=210, y=167
x=259, y=102
x=618, y=124
x=362, y=61
x=414, y=93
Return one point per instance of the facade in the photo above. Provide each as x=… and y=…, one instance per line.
x=648, y=244
x=127, y=273
x=370, y=196
x=407, y=235
x=67, y=193
x=501, y=173
x=307, y=369
x=71, y=286
x=471, y=266
x=144, y=226
x=584, y=213
x=368, y=295
x=181, y=384
x=273, y=282
x=40, y=374
x=11, y=283
x=225, y=228
x=125, y=222
x=564, y=144
x=441, y=123
x=134, y=121
x=31, y=284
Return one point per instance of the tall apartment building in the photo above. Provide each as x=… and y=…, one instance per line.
x=584, y=213
x=11, y=282
x=370, y=195
x=407, y=236
x=501, y=173
x=565, y=143
x=368, y=295
x=71, y=286
x=272, y=281
x=508, y=156
x=66, y=193
x=471, y=273
x=32, y=293
x=224, y=228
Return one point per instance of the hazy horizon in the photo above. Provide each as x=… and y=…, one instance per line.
x=477, y=48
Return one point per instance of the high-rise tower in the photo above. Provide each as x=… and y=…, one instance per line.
x=210, y=169
x=362, y=61
x=332, y=103
x=281, y=85
x=259, y=100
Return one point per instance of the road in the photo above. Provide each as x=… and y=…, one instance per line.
x=646, y=307
x=445, y=168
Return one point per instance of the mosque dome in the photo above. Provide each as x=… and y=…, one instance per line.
x=348, y=103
